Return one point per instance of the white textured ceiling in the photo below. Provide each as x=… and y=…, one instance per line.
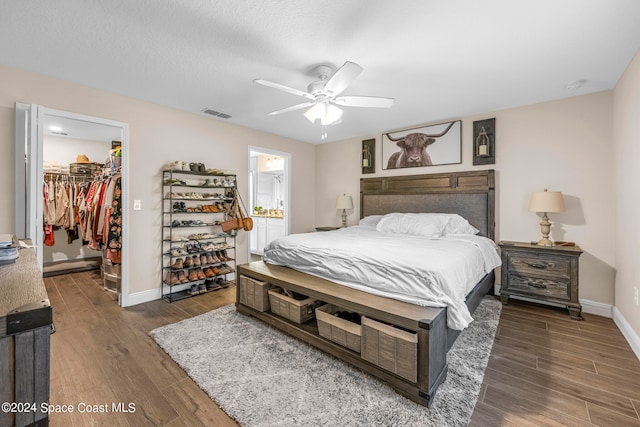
x=439, y=59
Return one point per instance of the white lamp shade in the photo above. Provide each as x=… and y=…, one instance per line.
x=344, y=202
x=546, y=201
x=327, y=113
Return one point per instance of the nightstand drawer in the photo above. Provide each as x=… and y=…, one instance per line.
x=539, y=286
x=540, y=265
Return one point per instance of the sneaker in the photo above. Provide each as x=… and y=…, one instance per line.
x=202, y=288
x=193, y=290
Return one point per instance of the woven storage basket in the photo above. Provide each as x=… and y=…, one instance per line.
x=338, y=330
x=390, y=348
x=292, y=309
x=253, y=293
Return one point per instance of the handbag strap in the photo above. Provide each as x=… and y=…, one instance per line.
x=243, y=209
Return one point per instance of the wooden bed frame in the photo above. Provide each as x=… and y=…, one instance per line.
x=470, y=194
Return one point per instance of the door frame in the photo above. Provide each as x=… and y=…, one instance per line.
x=287, y=186
x=29, y=177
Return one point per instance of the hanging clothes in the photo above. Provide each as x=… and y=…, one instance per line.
x=90, y=211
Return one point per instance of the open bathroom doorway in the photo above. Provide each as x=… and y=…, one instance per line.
x=269, y=197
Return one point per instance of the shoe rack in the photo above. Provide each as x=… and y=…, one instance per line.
x=197, y=256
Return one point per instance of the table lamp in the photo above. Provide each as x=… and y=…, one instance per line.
x=545, y=202
x=343, y=203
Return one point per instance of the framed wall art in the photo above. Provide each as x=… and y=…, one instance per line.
x=431, y=145
x=484, y=142
x=368, y=156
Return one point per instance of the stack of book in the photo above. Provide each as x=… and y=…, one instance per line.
x=8, y=249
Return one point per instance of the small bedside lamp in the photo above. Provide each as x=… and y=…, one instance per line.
x=343, y=203
x=545, y=202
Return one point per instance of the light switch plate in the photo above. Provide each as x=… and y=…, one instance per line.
x=137, y=205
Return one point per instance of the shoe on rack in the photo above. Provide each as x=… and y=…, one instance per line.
x=202, y=288
x=211, y=285
x=196, y=261
x=200, y=274
x=188, y=262
x=203, y=259
x=208, y=272
x=215, y=256
x=178, y=265
x=171, y=279
x=226, y=255
x=182, y=277
x=193, y=167
x=193, y=275
x=216, y=271
x=177, y=251
x=209, y=258
x=193, y=289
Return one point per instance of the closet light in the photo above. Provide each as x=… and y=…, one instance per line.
x=55, y=128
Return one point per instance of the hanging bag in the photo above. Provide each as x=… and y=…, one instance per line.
x=247, y=221
x=235, y=220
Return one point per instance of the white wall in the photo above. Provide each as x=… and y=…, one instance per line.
x=626, y=149
x=564, y=145
x=157, y=135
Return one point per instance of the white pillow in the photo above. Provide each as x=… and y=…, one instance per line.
x=414, y=224
x=370, y=221
x=458, y=225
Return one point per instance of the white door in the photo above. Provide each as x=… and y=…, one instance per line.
x=28, y=220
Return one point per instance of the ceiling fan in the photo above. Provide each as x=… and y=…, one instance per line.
x=323, y=95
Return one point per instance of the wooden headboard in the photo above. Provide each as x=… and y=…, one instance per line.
x=470, y=194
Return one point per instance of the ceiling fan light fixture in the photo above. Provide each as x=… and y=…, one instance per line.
x=331, y=115
x=327, y=113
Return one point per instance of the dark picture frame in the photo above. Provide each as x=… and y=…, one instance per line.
x=431, y=145
x=368, y=156
x=484, y=142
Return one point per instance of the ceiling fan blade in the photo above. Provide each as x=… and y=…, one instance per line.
x=292, y=108
x=284, y=88
x=364, y=101
x=343, y=78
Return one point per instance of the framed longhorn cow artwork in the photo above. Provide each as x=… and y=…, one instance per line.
x=431, y=145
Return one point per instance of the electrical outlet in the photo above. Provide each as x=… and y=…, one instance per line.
x=635, y=294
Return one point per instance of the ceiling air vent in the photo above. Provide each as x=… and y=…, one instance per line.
x=215, y=113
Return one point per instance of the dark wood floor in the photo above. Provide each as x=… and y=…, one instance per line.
x=545, y=369
x=548, y=370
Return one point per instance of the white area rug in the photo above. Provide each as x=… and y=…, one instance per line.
x=262, y=377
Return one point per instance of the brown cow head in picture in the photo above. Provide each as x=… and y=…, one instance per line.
x=413, y=148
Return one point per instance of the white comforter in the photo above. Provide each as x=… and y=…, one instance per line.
x=427, y=272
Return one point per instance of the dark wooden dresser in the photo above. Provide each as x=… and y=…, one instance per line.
x=25, y=329
x=542, y=274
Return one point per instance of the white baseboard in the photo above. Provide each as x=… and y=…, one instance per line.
x=144, y=296
x=628, y=332
x=597, y=308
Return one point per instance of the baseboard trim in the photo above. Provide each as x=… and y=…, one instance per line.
x=144, y=296
x=597, y=308
x=627, y=331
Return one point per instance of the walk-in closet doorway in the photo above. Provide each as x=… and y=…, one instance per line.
x=31, y=131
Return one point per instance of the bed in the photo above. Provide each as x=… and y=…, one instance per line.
x=471, y=194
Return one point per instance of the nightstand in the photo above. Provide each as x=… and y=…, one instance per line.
x=327, y=228
x=541, y=273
